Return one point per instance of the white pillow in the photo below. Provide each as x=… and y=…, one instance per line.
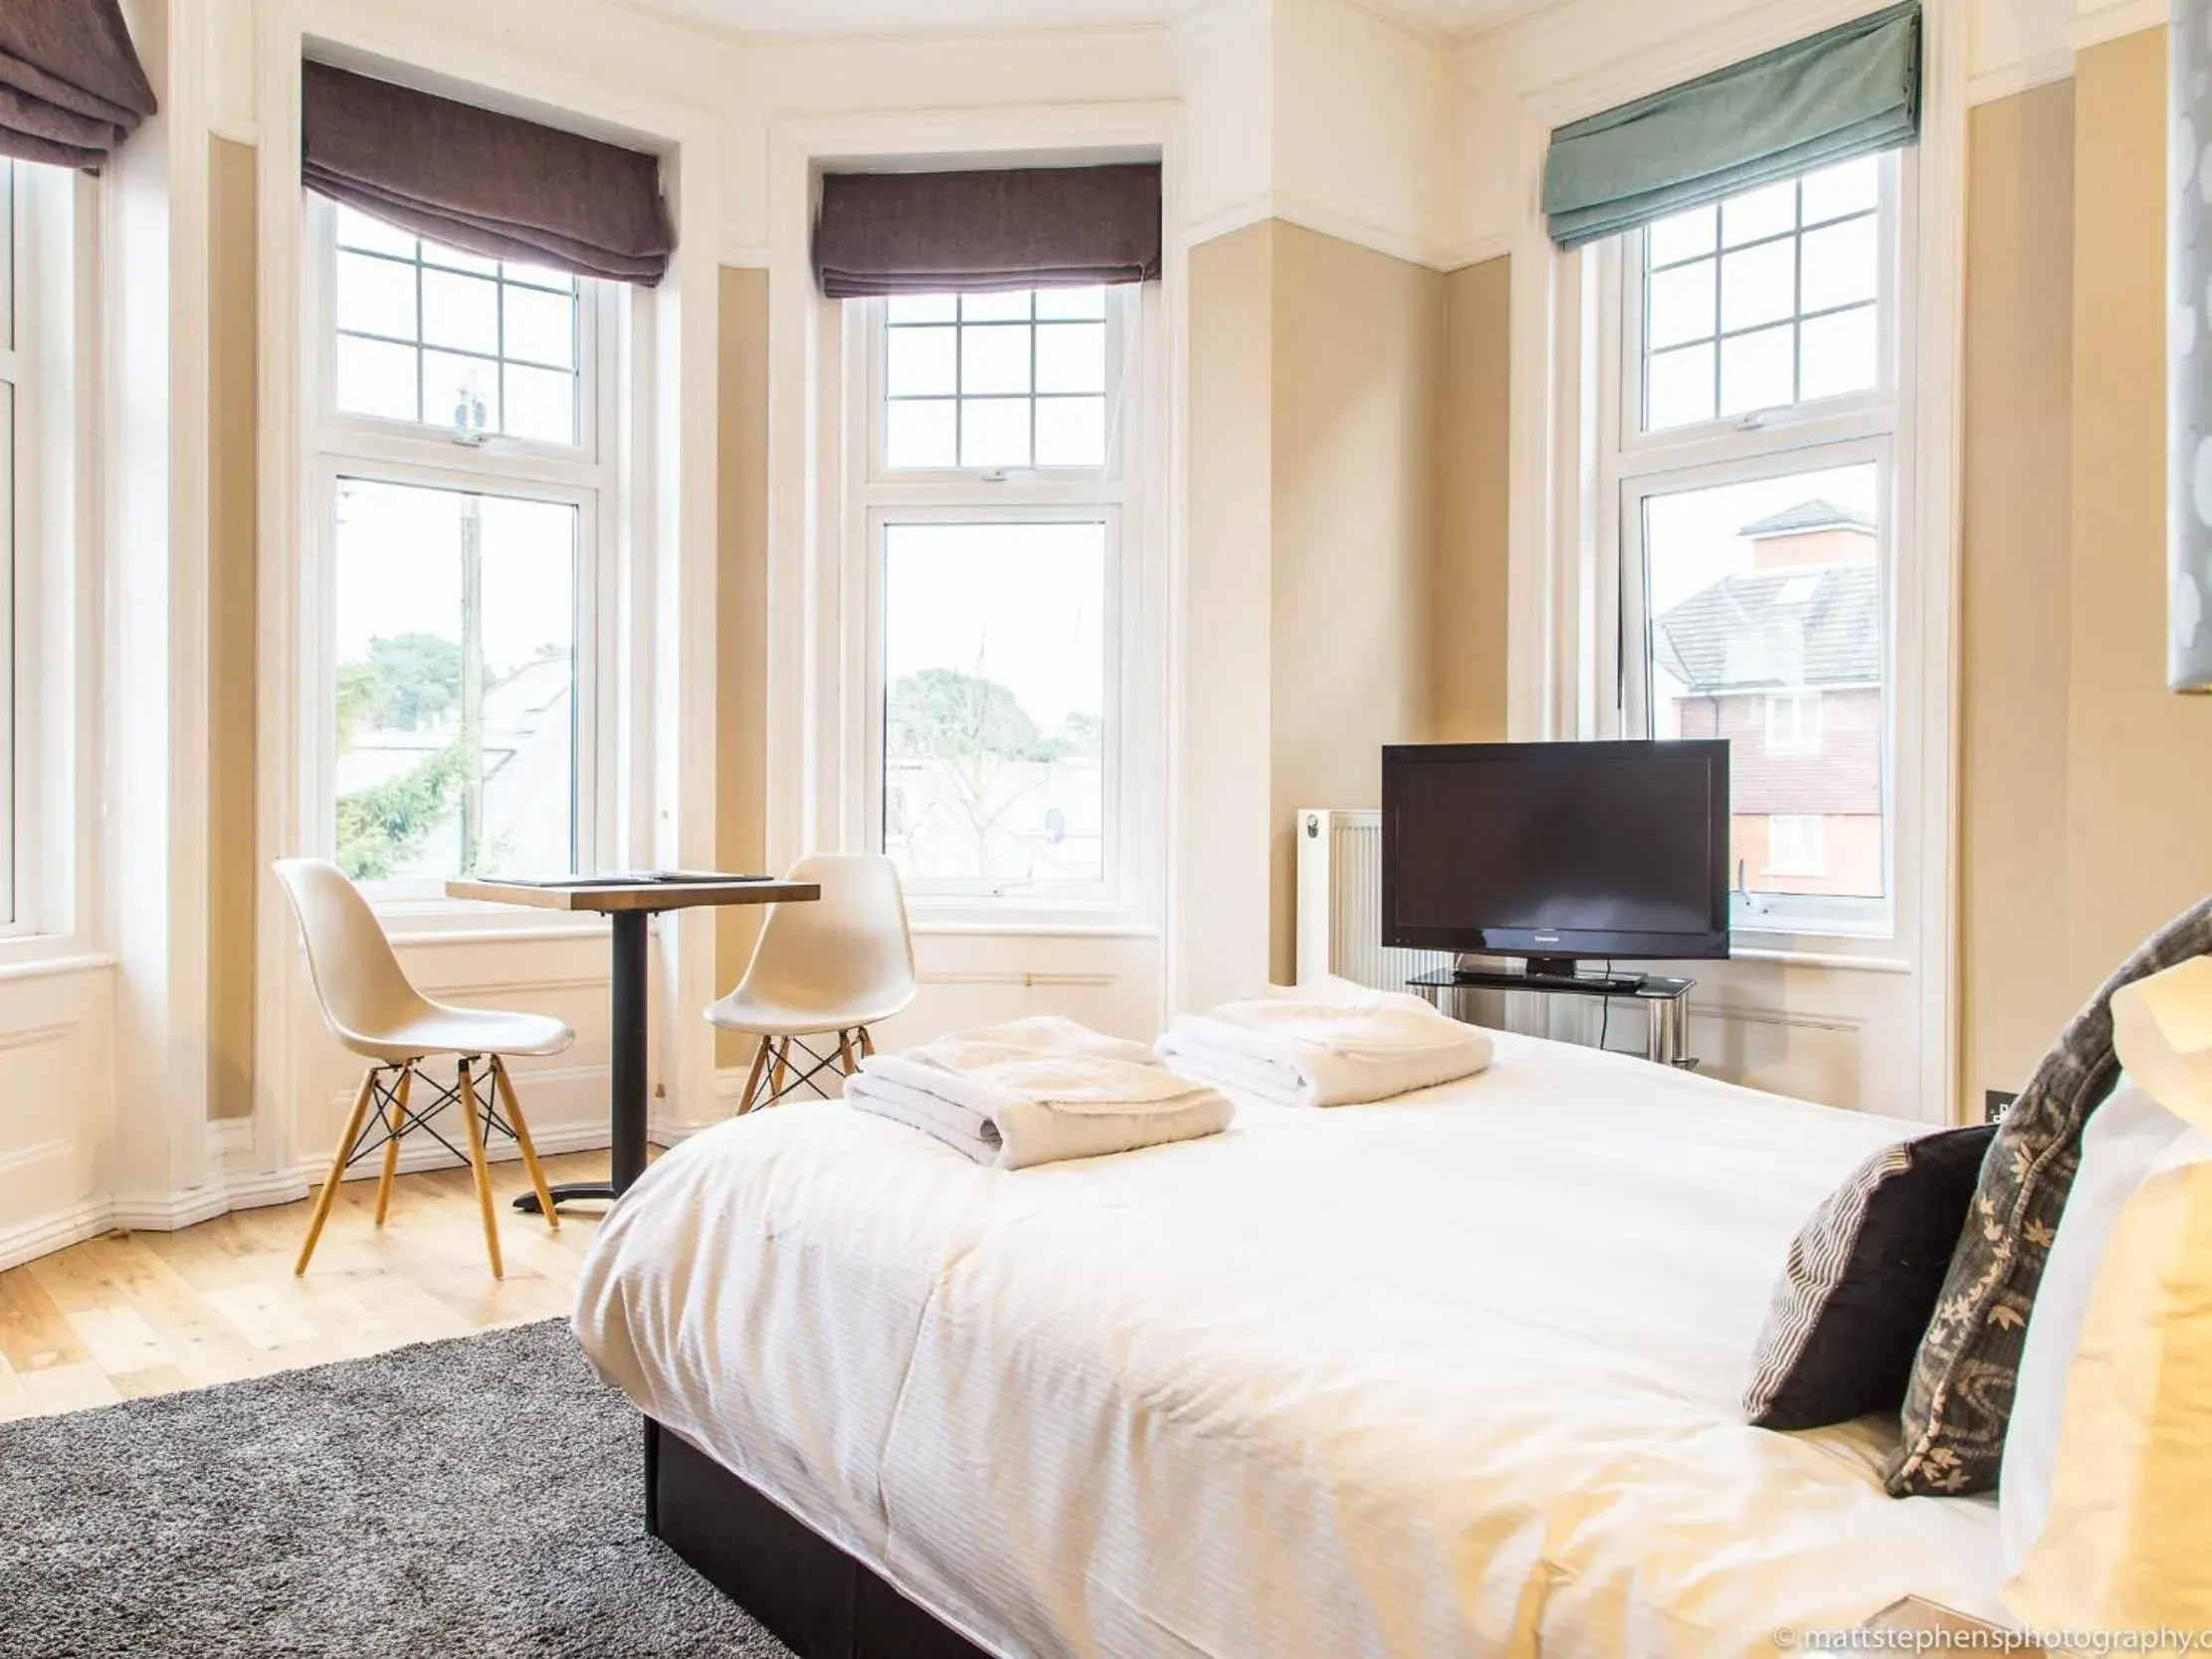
x=2124, y=1139
x=2130, y=1534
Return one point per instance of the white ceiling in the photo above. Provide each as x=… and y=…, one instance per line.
x=888, y=16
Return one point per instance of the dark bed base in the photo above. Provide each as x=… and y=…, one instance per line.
x=821, y=1602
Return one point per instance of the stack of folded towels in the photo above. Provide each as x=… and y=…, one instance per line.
x=1034, y=1091
x=1328, y=1043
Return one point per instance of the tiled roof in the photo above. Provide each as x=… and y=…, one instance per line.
x=1820, y=625
x=1807, y=516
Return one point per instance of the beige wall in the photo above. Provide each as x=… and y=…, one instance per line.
x=1357, y=370
x=234, y=864
x=1467, y=624
x=1347, y=462
x=2083, y=792
x=1222, y=820
x=741, y=606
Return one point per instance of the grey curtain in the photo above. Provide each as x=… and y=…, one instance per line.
x=487, y=183
x=1849, y=91
x=71, y=89
x=1003, y=228
x=2189, y=358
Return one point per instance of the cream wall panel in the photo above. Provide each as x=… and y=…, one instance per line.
x=57, y=1036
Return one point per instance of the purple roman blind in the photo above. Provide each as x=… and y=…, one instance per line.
x=1004, y=228
x=71, y=89
x=489, y=183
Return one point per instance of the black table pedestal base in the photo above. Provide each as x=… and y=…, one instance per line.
x=569, y=1192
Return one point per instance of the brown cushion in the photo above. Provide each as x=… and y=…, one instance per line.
x=1960, y=1399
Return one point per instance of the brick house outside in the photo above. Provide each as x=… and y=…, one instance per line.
x=1785, y=660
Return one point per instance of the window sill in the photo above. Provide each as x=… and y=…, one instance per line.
x=951, y=917
x=1792, y=956
x=47, y=956
x=418, y=922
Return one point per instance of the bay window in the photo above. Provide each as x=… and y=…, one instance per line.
x=463, y=492
x=991, y=521
x=1749, y=421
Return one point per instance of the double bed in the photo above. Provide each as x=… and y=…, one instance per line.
x=1454, y=1373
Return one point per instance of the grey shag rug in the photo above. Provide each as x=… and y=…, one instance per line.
x=474, y=1499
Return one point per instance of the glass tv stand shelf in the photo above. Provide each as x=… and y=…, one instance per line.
x=1665, y=1001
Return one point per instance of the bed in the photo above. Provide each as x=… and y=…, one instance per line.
x=1455, y=1374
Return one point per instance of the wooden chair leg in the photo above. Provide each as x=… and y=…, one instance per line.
x=482, y=1170
x=395, y=1123
x=746, y=1102
x=506, y=1087
x=844, y=1053
x=867, y=1042
x=352, y=1134
x=783, y=1061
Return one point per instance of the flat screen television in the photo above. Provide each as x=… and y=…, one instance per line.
x=1558, y=852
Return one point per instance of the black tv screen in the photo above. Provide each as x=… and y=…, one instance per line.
x=1557, y=850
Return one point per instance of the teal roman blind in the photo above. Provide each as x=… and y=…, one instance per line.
x=1850, y=90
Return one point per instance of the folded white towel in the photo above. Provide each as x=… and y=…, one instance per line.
x=1037, y=1091
x=1330, y=1051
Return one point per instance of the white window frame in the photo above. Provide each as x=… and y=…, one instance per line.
x=19, y=553
x=879, y=495
x=1794, y=721
x=49, y=700
x=584, y=476
x=1632, y=466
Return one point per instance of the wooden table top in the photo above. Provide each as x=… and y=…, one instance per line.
x=607, y=894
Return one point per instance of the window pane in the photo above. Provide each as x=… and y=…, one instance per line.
x=1854, y=187
x=1072, y=357
x=456, y=682
x=453, y=258
x=1758, y=371
x=1767, y=211
x=540, y=404
x=1839, y=264
x=1759, y=285
x=1681, y=305
x=358, y=230
x=376, y=295
x=994, y=706
x=923, y=362
x=540, y=326
x=1071, y=432
x=995, y=307
x=461, y=392
x=537, y=276
x=920, y=434
x=7, y=256
x=1080, y=304
x=1766, y=608
x=922, y=308
x=1840, y=354
x=461, y=312
x=994, y=432
x=994, y=360
x=1679, y=388
x=1685, y=236
x=376, y=379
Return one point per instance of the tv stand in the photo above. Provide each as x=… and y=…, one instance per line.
x=1560, y=974
x=1666, y=1000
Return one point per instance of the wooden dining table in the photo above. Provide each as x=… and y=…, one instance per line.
x=627, y=902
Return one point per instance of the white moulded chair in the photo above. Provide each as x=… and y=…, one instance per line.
x=832, y=967
x=371, y=1009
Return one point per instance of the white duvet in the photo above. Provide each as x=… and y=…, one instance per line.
x=1454, y=1374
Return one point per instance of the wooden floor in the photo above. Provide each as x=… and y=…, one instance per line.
x=137, y=1314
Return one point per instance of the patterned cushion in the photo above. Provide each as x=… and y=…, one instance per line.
x=1860, y=1282
x=1960, y=1395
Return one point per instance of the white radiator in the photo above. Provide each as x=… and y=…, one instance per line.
x=1340, y=904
